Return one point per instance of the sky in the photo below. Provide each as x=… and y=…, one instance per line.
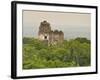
x=73, y=25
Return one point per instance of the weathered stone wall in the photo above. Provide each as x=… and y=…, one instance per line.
x=51, y=37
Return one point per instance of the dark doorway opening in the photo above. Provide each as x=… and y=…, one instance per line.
x=45, y=37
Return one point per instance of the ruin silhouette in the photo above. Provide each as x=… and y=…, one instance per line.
x=49, y=36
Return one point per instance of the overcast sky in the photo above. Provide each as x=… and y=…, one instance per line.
x=72, y=24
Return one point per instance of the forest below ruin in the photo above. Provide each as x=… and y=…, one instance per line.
x=71, y=53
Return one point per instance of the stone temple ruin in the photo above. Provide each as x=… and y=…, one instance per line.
x=47, y=35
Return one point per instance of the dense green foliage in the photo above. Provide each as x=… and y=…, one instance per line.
x=70, y=53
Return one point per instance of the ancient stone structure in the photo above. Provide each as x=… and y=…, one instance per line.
x=49, y=36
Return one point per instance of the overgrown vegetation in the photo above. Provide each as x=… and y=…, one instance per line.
x=72, y=53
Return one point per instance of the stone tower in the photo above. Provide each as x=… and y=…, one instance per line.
x=44, y=30
x=49, y=36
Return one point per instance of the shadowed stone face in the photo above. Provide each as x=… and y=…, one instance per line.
x=46, y=34
x=44, y=27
